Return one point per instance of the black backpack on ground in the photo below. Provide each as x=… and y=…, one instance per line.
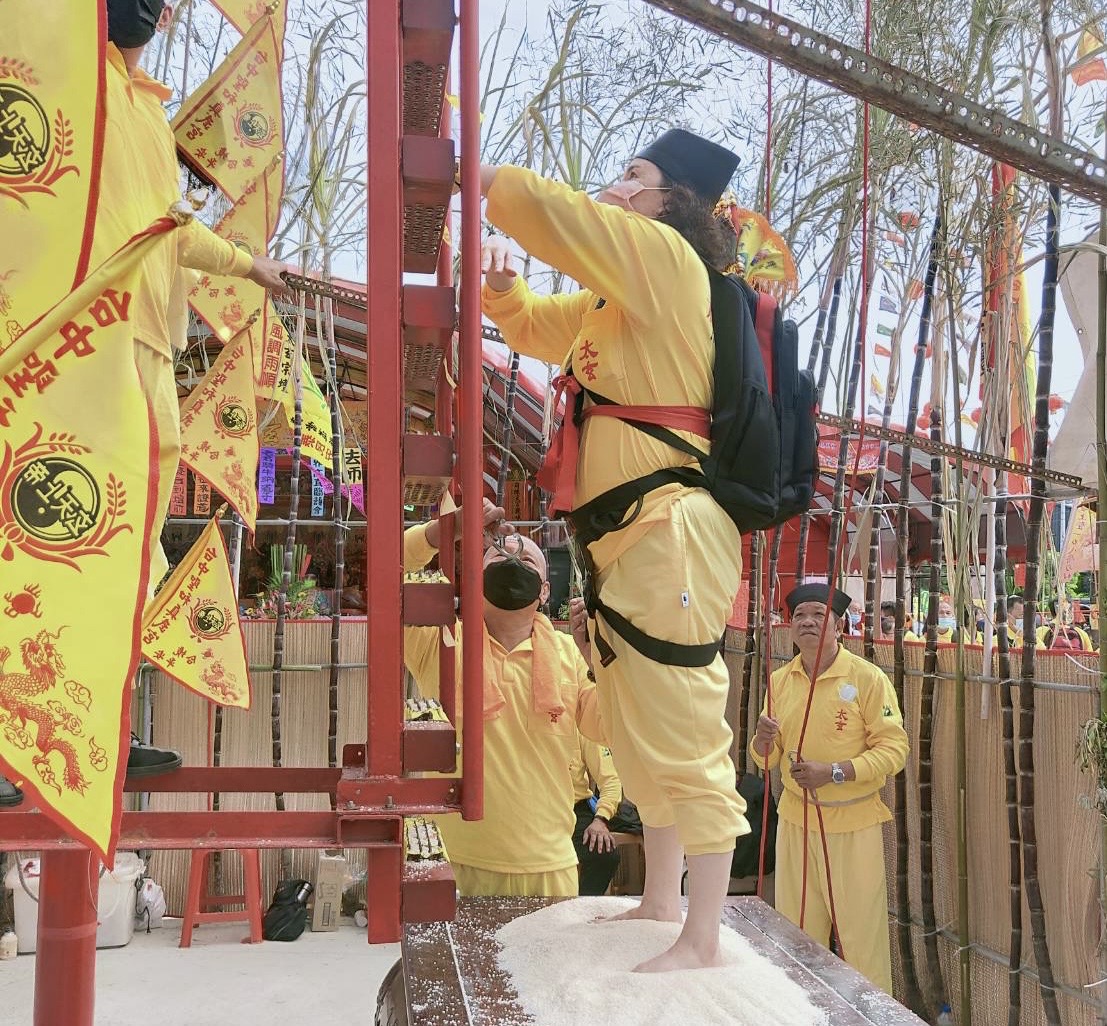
x=747, y=850
x=286, y=916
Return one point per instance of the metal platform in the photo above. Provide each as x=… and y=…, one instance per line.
x=450, y=974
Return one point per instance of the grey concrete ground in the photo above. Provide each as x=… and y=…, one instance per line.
x=319, y=978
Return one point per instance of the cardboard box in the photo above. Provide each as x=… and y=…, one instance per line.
x=330, y=879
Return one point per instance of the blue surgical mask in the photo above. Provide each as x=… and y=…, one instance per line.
x=854, y=619
x=946, y=623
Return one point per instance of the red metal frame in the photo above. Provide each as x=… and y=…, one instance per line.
x=65, y=976
x=471, y=408
x=371, y=794
x=384, y=387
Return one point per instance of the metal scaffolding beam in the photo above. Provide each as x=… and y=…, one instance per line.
x=893, y=89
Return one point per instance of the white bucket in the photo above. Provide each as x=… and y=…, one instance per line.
x=115, y=910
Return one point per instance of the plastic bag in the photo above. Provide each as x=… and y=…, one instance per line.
x=150, y=904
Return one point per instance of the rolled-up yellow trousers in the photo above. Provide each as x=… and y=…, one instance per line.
x=667, y=724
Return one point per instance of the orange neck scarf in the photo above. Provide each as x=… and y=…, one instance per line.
x=544, y=674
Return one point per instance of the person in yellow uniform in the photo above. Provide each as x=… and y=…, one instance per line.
x=533, y=709
x=592, y=839
x=639, y=333
x=1015, y=609
x=139, y=182
x=854, y=740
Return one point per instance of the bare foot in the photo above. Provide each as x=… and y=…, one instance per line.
x=644, y=911
x=681, y=956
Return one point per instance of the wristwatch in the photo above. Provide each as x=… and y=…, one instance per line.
x=837, y=774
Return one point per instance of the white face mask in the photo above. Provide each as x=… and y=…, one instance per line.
x=619, y=194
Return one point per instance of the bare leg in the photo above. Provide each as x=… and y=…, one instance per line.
x=664, y=861
x=697, y=947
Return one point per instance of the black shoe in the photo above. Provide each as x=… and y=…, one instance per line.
x=147, y=761
x=10, y=795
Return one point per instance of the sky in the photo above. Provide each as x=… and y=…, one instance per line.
x=1068, y=361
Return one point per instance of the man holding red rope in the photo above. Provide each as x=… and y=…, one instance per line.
x=836, y=718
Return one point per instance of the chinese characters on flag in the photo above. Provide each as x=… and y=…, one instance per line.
x=78, y=483
x=232, y=128
x=191, y=629
x=219, y=437
x=50, y=90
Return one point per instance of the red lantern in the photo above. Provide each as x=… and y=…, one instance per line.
x=975, y=415
x=1056, y=403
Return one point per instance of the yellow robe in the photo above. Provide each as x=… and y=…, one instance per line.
x=675, y=570
x=855, y=717
x=528, y=789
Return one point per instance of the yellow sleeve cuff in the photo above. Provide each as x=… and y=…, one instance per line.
x=418, y=552
x=605, y=809
x=510, y=301
x=243, y=263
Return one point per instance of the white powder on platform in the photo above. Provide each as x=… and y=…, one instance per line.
x=571, y=971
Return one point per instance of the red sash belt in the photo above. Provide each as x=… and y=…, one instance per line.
x=558, y=473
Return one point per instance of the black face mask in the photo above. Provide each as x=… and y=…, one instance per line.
x=131, y=23
x=511, y=584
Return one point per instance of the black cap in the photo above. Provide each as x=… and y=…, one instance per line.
x=705, y=167
x=819, y=593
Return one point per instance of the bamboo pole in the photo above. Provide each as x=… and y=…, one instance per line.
x=286, y=576
x=1101, y=538
x=1026, y=684
x=936, y=981
x=997, y=423
x=748, y=676
x=837, y=514
x=966, y=537
x=913, y=996
x=338, y=519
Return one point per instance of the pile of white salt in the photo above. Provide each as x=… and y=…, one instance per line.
x=571, y=971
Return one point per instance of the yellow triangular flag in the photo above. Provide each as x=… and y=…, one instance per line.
x=231, y=128
x=78, y=485
x=226, y=304
x=50, y=70
x=244, y=13
x=191, y=629
x=219, y=429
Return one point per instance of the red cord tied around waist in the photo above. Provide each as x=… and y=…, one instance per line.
x=558, y=473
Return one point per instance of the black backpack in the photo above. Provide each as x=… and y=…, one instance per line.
x=286, y=916
x=764, y=440
x=746, y=859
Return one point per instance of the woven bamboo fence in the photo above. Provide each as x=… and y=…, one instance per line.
x=1068, y=832
x=182, y=720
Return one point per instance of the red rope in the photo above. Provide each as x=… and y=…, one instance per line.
x=833, y=572
x=765, y=584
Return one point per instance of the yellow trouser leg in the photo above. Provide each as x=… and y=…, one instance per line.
x=155, y=372
x=860, y=893
x=486, y=883
x=667, y=724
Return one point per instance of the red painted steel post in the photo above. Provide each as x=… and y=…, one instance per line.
x=383, y=868
x=471, y=419
x=444, y=425
x=65, y=963
x=384, y=388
